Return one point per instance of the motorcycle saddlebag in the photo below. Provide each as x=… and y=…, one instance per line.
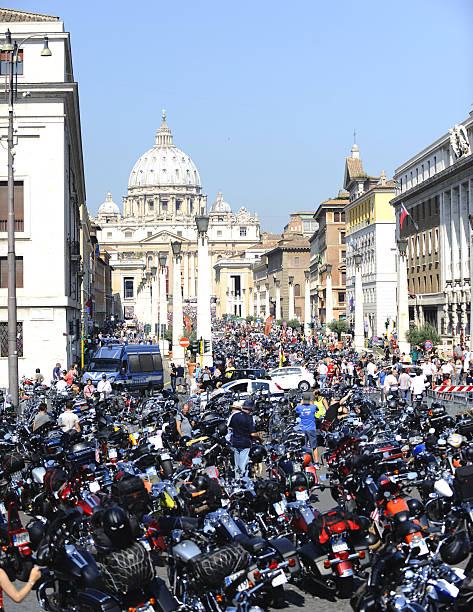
x=12, y=463
x=211, y=568
x=123, y=570
x=130, y=493
x=93, y=600
x=465, y=428
x=463, y=483
x=53, y=480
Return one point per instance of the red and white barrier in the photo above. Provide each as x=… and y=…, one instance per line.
x=452, y=388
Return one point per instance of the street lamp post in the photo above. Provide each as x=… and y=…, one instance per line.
x=328, y=296
x=204, y=322
x=163, y=305
x=470, y=218
x=359, y=329
x=11, y=50
x=307, y=304
x=177, y=321
x=402, y=298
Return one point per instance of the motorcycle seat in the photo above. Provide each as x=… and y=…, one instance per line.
x=406, y=528
x=252, y=545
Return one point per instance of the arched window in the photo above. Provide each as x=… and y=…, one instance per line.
x=297, y=291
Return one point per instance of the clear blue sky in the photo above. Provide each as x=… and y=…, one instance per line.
x=264, y=95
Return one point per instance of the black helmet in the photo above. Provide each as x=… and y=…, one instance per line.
x=184, y=440
x=416, y=507
x=257, y=453
x=392, y=404
x=401, y=402
x=36, y=530
x=116, y=526
x=299, y=480
x=456, y=549
x=201, y=482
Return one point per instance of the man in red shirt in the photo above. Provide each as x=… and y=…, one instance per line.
x=69, y=377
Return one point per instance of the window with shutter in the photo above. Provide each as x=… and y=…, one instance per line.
x=19, y=206
x=4, y=272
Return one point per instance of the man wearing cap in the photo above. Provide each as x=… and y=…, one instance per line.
x=104, y=387
x=243, y=429
x=307, y=411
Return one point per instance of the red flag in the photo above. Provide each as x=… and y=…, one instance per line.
x=403, y=215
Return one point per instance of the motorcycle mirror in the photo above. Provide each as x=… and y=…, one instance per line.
x=6, y=436
x=431, y=430
x=441, y=442
x=398, y=438
x=412, y=475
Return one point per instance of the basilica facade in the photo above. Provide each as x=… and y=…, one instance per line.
x=164, y=197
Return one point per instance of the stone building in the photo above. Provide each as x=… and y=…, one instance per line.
x=284, y=280
x=327, y=261
x=370, y=232
x=49, y=197
x=435, y=187
x=164, y=197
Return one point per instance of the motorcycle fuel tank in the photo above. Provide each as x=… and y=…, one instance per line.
x=186, y=550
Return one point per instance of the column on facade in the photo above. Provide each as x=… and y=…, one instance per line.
x=291, y=314
x=163, y=310
x=229, y=304
x=470, y=212
x=258, y=301
x=243, y=302
x=251, y=303
x=267, y=310
x=185, y=263
x=192, y=262
x=307, y=303
x=278, y=300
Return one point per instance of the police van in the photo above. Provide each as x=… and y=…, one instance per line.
x=134, y=366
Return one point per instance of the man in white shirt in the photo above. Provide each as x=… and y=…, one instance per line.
x=418, y=384
x=371, y=373
x=61, y=385
x=447, y=368
x=390, y=383
x=68, y=420
x=322, y=370
x=104, y=387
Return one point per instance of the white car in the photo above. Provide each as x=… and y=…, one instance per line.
x=250, y=385
x=293, y=377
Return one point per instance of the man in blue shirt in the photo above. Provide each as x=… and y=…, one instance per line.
x=57, y=372
x=243, y=429
x=307, y=411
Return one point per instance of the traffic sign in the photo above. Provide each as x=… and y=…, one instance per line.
x=428, y=345
x=184, y=342
x=242, y=343
x=375, y=339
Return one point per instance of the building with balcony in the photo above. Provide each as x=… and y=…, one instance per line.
x=370, y=232
x=49, y=197
x=435, y=187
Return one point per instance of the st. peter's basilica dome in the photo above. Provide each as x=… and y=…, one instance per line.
x=164, y=165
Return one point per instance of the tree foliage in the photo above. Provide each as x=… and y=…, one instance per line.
x=417, y=335
x=339, y=327
x=294, y=323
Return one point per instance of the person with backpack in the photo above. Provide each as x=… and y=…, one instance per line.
x=183, y=424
